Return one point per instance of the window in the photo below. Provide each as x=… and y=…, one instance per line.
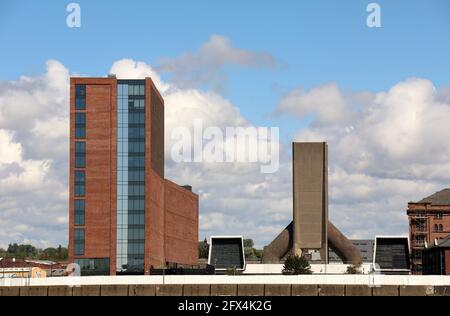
x=93, y=266
x=80, y=154
x=438, y=215
x=80, y=180
x=78, y=241
x=80, y=125
x=79, y=210
x=435, y=228
x=441, y=228
x=80, y=97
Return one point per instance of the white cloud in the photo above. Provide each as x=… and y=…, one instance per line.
x=326, y=102
x=385, y=149
x=34, y=131
x=391, y=150
x=206, y=65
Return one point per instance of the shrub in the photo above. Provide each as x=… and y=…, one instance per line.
x=296, y=265
x=353, y=269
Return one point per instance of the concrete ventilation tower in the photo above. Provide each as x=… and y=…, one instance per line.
x=310, y=233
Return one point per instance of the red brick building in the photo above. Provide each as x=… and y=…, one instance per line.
x=124, y=216
x=429, y=221
x=436, y=259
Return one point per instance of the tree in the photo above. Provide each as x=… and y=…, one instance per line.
x=296, y=265
x=203, y=249
x=248, y=243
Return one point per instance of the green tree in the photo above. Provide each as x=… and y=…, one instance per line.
x=296, y=265
x=248, y=243
x=203, y=249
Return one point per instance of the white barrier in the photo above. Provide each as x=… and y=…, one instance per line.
x=356, y=279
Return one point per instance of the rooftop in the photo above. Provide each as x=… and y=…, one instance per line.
x=444, y=243
x=439, y=198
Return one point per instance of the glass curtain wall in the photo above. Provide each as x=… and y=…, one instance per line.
x=130, y=176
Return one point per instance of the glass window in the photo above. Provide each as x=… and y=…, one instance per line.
x=80, y=125
x=80, y=183
x=79, y=241
x=80, y=97
x=79, y=211
x=80, y=154
x=93, y=266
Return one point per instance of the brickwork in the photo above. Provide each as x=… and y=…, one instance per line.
x=171, y=217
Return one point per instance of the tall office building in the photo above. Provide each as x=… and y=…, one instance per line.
x=124, y=216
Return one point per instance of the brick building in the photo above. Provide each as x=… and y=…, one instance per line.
x=429, y=220
x=436, y=259
x=124, y=215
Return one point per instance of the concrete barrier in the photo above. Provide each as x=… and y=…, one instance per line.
x=442, y=290
x=250, y=290
x=226, y=290
x=114, y=290
x=9, y=291
x=196, y=290
x=142, y=290
x=305, y=290
x=277, y=290
x=33, y=291
x=223, y=289
x=60, y=291
x=358, y=290
x=414, y=290
x=86, y=290
x=169, y=290
x=385, y=290
x=331, y=290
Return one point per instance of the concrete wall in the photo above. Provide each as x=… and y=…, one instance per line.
x=310, y=186
x=225, y=290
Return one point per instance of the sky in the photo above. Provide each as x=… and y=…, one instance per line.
x=379, y=96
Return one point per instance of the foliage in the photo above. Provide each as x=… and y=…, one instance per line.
x=233, y=271
x=353, y=269
x=248, y=243
x=296, y=265
x=250, y=252
x=26, y=251
x=203, y=249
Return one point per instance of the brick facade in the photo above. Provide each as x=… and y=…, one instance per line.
x=429, y=220
x=171, y=211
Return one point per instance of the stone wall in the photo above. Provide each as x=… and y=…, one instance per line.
x=225, y=290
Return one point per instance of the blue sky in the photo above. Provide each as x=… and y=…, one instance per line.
x=325, y=57
x=314, y=42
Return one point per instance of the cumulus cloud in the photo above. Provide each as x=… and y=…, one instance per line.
x=205, y=66
x=386, y=149
x=392, y=149
x=232, y=195
x=34, y=130
x=326, y=102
